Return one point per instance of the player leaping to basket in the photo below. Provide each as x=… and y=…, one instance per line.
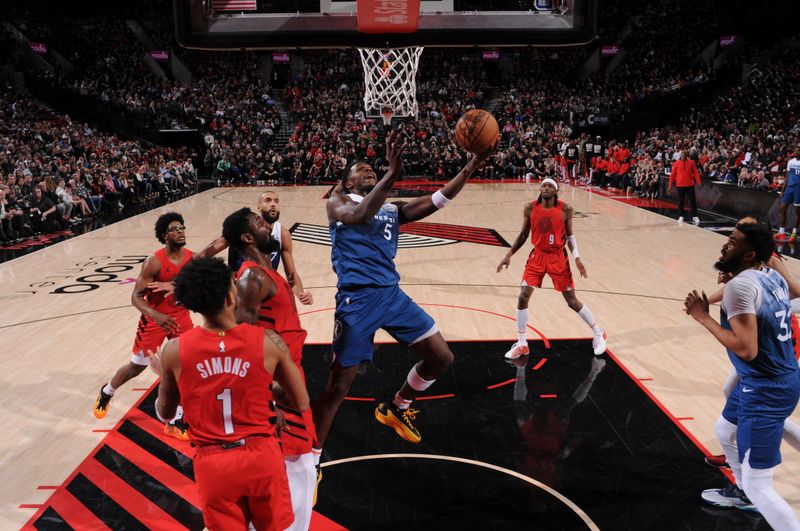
x=364, y=232
x=549, y=222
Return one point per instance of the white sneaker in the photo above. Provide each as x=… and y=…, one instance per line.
x=599, y=344
x=696, y=221
x=680, y=220
x=730, y=496
x=517, y=351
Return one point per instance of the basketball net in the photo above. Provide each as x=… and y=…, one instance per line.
x=390, y=82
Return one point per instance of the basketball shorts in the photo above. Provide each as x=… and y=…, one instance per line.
x=791, y=194
x=360, y=313
x=556, y=265
x=249, y=478
x=759, y=407
x=150, y=336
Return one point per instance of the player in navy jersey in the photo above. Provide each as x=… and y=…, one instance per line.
x=364, y=233
x=790, y=194
x=754, y=328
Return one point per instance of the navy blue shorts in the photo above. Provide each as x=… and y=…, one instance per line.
x=791, y=194
x=360, y=313
x=759, y=408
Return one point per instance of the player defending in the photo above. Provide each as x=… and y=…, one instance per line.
x=223, y=372
x=266, y=300
x=161, y=316
x=755, y=331
x=549, y=222
x=269, y=207
x=364, y=234
x=790, y=194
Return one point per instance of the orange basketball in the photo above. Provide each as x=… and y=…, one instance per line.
x=477, y=131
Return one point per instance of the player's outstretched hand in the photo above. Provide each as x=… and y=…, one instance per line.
x=504, y=263
x=155, y=360
x=305, y=298
x=395, y=144
x=581, y=268
x=696, y=305
x=157, y=287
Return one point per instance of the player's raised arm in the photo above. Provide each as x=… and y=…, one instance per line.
x=213, y=248
x=292, y=276
x=520, y=240
x=253, y=288
x=342, y=208
x=424, y=206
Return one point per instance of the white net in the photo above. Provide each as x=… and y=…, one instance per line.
x=390, y=81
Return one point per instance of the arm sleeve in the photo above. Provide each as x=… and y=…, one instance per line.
x=742, y=295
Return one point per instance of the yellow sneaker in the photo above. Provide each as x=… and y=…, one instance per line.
x=316, y=487
x=179, y=430
x=101, y=405
x=390, y=415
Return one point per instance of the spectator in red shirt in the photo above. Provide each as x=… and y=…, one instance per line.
x=684, y=174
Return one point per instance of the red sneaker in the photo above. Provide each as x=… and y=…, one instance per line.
x=718, y=461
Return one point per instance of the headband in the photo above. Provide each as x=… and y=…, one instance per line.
x=551, y=181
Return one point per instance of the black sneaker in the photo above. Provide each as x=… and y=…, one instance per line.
x=398, y=419
x=101, y=404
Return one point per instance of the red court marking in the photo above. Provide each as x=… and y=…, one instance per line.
x=548, y=396
x=661, y=406
x=546, y=342
x=74, y=512
x=171, y=478
x=133, y=501
x=684, y=418
x=47, y=487
x=645, y=379
x=141, y=389
x=156, y=429
x=501, y=384
x=316, y=311
x=102, y=431
x=539, y=364
x=30, y=505
x=359, y=399
x=435, y=397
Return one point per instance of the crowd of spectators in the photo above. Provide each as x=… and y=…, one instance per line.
x=55, y=173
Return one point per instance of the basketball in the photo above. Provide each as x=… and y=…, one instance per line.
x=477, y=131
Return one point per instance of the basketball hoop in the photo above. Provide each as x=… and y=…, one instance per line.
x=390, y=82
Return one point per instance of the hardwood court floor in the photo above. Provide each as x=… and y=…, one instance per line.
x=67, y=323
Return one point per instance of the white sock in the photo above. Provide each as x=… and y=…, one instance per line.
x=757, y=484
x=317, y=452
x=522, y=323
x=178, y=413
x=401, y=402
x=794, y=232
x=781, y=231
x=109, y=390
x=588, y=318
x=726, y=433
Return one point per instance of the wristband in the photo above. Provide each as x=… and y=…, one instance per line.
x=439, y=200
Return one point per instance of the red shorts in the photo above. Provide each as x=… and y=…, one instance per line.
x=149, y=335
x=244, y=484
x=554, y=264
x=299, y=435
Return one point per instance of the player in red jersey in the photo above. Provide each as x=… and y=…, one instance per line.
x=549, y=222
x=222, y=372
x=161, y=317
x=267, y=300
